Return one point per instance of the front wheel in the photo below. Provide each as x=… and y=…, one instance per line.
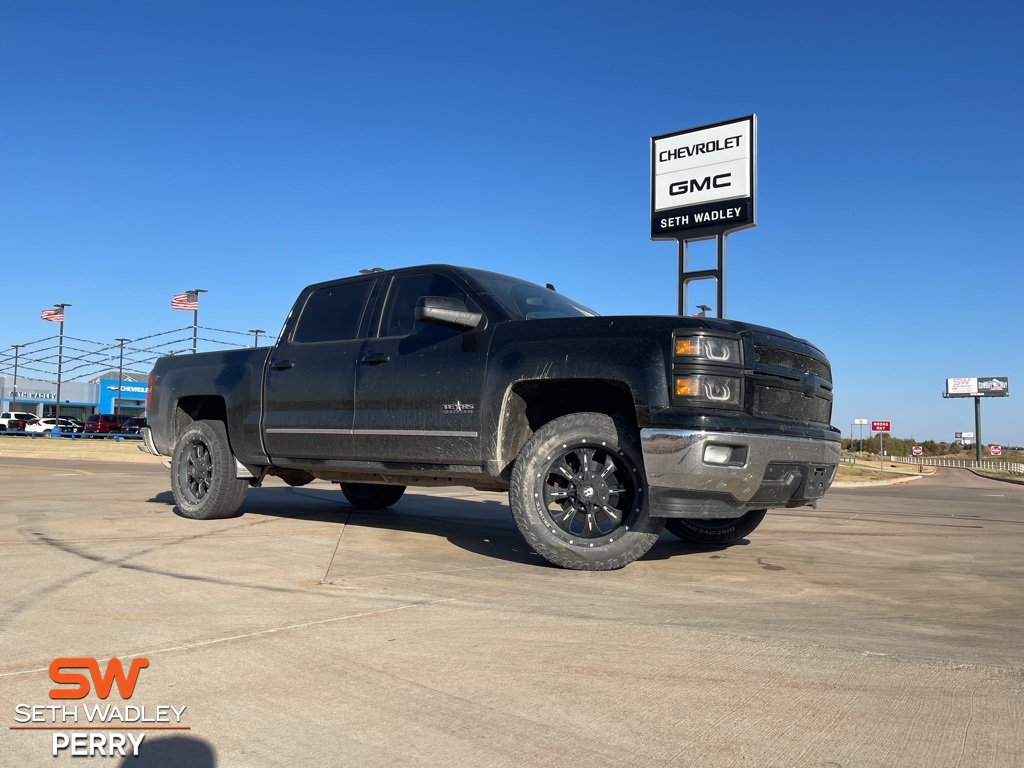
x=203, y=473
x=370, y=496
x=721, y=532
x=578, y=494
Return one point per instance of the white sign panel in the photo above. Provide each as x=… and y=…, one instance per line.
x=961, y=386
x=696, y=173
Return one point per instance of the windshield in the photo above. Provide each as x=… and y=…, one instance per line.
x=527, y=301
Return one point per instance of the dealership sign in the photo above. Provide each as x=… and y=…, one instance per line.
x=704, y=178
x=989, y=386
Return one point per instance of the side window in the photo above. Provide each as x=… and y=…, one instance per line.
x=398, y=318
x=332, y=313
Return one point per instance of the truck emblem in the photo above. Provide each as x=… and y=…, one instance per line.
x=458, y=407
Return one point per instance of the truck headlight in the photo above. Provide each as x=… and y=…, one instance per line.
x=714, y=390
x=709, y=349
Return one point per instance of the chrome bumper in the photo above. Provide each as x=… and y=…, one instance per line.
x=148, y=446
x=725, y=474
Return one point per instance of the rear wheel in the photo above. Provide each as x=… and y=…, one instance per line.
x=203, y=473
x=370, y=496
x=578, y=494
x=720, y=532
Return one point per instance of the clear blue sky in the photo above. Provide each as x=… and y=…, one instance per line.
x=250, y=148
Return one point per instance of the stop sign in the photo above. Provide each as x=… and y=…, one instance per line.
x=916, y=450
x=997, y=450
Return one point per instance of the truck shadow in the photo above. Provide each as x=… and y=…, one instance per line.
x=481, y=526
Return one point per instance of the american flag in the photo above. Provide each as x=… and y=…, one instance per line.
x=187, y=300
x=53, y=315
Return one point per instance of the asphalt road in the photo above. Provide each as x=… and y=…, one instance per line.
x=882, y=629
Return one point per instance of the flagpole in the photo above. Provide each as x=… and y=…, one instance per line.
x=195, y=320
x=60, y=359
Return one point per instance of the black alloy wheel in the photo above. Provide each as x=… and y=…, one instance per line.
x=590, y=492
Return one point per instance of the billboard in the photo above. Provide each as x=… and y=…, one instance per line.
x=988, y=386
x=703, y=178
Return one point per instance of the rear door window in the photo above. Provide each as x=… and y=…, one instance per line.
x=332, y=313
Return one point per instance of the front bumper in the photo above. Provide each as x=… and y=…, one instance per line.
x=714, y=475
x=148, y=446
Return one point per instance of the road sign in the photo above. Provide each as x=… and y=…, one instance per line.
x=860, y=421
x=997, y=450
x=881, y=426
x=916, y=450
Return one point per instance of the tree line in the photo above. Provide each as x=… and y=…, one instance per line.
x=896, y=446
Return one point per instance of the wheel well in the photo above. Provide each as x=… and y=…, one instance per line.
x=529, y=405
x=199, y=407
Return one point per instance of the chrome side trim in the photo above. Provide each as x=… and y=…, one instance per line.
x=358, y=432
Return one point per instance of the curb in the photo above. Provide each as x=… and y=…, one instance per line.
x=869, y=483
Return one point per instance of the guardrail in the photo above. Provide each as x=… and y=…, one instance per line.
x=1013, y=468
x=115, y=436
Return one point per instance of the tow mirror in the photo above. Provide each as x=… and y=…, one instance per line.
x=451, y=313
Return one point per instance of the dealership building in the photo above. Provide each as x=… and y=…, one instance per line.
x=78, y=399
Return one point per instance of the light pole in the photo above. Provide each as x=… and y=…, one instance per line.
x=256, y=335
x=14, y=391
x=120, y=376
x=195, y=319
x=60, y=356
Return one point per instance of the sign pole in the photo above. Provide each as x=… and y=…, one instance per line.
x=977, y=429
x=717, y=274
x=881, y=427
x=703, y=182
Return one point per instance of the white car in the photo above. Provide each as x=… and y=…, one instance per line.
x=13, y=419
x=45, y=426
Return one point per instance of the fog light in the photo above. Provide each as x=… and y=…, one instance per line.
x=717, y=454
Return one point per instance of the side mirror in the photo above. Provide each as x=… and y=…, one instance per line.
x=450, y=313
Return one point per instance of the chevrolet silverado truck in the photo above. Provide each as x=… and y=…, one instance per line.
x=603, y=430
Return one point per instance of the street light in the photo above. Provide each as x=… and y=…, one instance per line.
x=120, y=376
x=14, y=391
x=256, y=335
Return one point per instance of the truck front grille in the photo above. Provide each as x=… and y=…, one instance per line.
x=789, y=385
x=786, y=358
x=788, y=404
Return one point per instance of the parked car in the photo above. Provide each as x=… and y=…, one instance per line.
x=16, y=420
x=45, y=426
x=104, y=423
x=133, y=425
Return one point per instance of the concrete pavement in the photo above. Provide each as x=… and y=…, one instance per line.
x=882, y=629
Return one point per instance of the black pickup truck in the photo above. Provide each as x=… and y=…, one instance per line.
x=603, y=430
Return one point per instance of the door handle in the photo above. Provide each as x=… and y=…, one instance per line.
x=375, y=359
x=282, y=365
